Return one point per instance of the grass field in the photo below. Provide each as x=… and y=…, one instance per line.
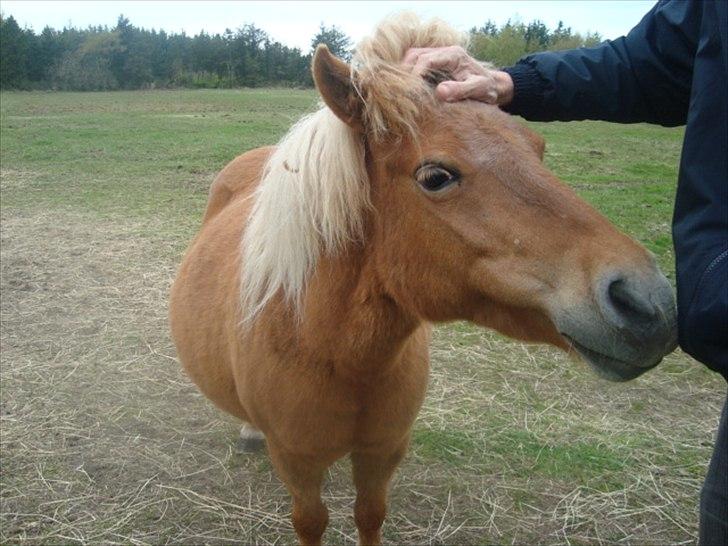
x=104, y=439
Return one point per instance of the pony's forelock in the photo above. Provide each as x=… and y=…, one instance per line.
x=314, y=192
x=393, y=96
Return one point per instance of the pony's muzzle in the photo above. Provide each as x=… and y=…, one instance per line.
x=627, y=328
x=642, y=307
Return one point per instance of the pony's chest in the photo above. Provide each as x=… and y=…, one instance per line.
x=307, y=411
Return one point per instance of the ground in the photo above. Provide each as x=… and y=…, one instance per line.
x=104, y=439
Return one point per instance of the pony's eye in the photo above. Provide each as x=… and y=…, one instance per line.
x=435, y=178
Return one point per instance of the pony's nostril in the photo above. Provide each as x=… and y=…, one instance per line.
x=629, y=302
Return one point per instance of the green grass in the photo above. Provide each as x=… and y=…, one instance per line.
x=105, y=440
x=525, y=450
x=131, y=153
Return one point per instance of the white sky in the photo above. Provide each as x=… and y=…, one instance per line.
x=295, y=23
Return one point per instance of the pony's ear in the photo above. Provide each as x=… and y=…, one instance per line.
x=332, y=77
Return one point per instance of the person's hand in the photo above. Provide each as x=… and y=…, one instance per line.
x=471, y=79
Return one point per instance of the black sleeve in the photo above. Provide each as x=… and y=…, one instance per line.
x=642, y=77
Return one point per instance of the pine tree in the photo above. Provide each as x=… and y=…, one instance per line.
x=338, y=43
x=13, y=54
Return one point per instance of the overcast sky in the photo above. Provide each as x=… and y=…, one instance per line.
x=295, y=23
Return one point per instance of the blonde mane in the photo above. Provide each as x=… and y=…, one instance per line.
x=314, y=190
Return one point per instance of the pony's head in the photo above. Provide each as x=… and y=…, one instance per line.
x=461, y=217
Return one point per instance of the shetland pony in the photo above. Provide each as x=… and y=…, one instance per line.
x=305, y=303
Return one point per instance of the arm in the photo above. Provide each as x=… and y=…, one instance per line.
x=644, y=76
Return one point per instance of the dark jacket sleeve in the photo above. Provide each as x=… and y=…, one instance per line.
x=642, y=77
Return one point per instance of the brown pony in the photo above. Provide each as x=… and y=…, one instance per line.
x=304, y=304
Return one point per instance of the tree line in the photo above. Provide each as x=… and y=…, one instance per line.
x=129, y=57
x=504, y=45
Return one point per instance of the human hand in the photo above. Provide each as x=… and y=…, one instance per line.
x=471, y=79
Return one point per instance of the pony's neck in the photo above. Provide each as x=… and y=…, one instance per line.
x=348, y=318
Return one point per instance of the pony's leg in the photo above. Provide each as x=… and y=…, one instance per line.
x=303, y=477
x=372, y=472
x=251, y=439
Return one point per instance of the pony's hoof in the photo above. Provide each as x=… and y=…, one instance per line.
x=251, y=440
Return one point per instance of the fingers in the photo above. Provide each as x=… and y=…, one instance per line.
x=412, y=54
x=415, y=53
x=470, y=79
x=448, y=59
x=434, y=60
x=480, y=88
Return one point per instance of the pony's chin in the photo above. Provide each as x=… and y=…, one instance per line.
x=608, y=367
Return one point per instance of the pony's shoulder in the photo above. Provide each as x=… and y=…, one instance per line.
x=240, y=176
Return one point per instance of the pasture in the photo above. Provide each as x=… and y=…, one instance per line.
x=103, y=438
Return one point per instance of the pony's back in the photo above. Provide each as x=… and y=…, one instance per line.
x=239, y=177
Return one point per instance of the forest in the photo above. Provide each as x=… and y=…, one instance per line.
x=99, y=58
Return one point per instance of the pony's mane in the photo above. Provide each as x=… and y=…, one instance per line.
x=314, y=190
x=311, y=199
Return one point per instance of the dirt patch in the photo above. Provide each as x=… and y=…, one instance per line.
x=13, y=179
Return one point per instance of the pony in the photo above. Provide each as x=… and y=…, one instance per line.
x=305, y=303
